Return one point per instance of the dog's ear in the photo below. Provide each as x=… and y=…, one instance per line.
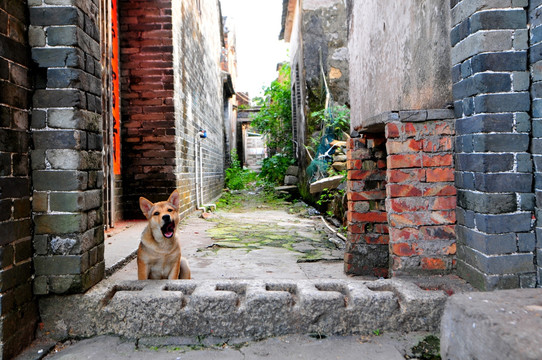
x=174, y=199
x=145, y=206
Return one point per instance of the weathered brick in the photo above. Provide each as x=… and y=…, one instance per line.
x=487, y=203
x=60, y=180
x=504, y=223
x=60, y=223
x=503, y=182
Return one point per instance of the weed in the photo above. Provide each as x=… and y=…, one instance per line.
x=377, y=332
x=238, y=178
x=427, y=349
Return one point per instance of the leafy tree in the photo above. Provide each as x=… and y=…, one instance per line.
x=274, y=119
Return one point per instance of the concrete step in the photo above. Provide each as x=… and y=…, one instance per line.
x=251, y=309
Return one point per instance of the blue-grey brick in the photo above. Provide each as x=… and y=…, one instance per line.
x=536, y=146
x=523, y=122
x=535, y=53
x=484, y=162
x=38, y=119
x=60, y=223
x=458, y=109
x=58, y=57
x=501, y=142
x=537, y=161
x=509, y=102
x=482, y=123
x=491, y=83
x=536, y=90
x=536, y=35
x=464, y=180
x=504, y=223
x=73, y=78
x=538, y=180
x=521, y=81
x=468, y=106
x=456, y=73
x=57, y=265
x=464, y=143
x=537, y=107
x=524, y=163
x=498, y=19
x=58, y=15
x=488, y=244
x=466, y=69
x=526, y=242
x=504, y=264
x=67, y=139
x=59, y=98
x=503, y=182
x=526, y=202
x=483, y=281
x=464, y=217
x=502, y=61
x=60, y=180
x=527, y=281
x=486, y=203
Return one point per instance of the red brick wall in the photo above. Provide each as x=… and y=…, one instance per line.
x=402, y=198
x=148, y=122
x=367, y=246
x=421, y=196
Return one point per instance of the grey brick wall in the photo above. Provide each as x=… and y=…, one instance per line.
x=198, y=97
x=496, y=240
x=535, y=62
x=67, y=153
x=18, y=308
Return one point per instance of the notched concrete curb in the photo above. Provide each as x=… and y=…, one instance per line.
x=249, y=309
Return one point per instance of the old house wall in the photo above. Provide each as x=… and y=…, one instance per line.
x=18, y=314
x=198, y=98
x=494, y=141
x=535, y=62
x=67, y=166
x=171, y=87
x=147, y=92
x=400, y=57
x=401, y=195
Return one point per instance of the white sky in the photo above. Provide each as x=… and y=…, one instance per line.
x=259, y=50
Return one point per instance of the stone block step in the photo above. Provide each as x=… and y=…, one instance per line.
x=251, y=309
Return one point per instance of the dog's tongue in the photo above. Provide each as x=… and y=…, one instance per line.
x=168, y=230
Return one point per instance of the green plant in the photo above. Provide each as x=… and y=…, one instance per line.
x=377, y=332
x=237, y=178
x=325, y=197
x=338, y=117
x=274, y=168
x=274, y=119
x=428, y=348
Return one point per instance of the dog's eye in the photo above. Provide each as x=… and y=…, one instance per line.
x=156, y=213
x=170, y=210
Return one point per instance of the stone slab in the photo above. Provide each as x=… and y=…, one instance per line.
x=501, y=325
x=285, y=347
x=242, y=308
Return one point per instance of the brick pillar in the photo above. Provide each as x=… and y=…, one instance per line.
x=67, y=156
x=366, y=250
x=18, y=310
x=494, y=170
x=535, y=62
x=421, y=197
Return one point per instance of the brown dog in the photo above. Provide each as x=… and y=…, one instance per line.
x=159, y=253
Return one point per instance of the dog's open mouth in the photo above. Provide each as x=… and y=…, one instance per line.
x=168, y=229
